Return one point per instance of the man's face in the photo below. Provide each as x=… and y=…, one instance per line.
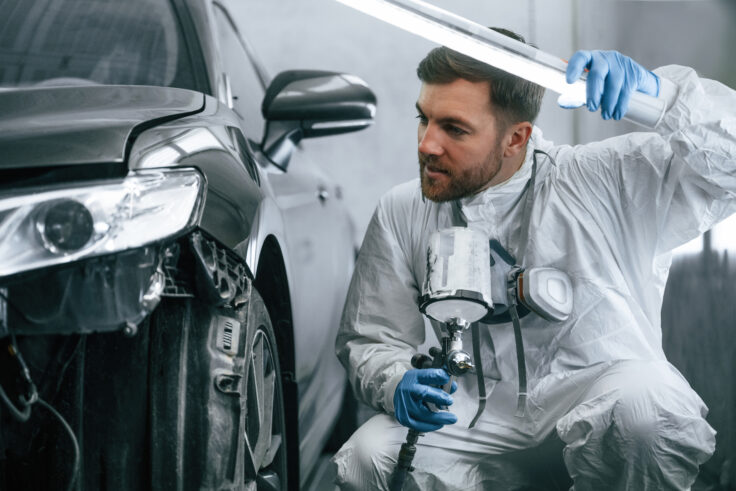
x=459, y=139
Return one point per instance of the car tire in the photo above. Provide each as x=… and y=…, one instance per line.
x=216, y=418
x=269, y=472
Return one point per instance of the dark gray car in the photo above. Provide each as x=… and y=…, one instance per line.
x=172, y=264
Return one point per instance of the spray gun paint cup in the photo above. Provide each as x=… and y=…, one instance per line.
x=458, y=280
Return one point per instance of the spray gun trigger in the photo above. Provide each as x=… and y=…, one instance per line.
x=447, y=388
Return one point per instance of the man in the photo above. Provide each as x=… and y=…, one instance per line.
x=607, y=214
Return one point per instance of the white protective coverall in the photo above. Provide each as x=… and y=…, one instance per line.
x=608, y=214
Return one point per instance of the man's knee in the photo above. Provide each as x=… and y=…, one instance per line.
x=640, y=411
x=639, y=420
x=657, y=409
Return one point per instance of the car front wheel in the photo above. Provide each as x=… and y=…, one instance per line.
x=265, y=435
x=217, y=413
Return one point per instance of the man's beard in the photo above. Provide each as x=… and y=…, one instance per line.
x=456, y=184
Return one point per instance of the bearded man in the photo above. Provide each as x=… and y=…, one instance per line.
x=608, y=214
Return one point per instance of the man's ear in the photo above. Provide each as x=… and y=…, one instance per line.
x=516, y=138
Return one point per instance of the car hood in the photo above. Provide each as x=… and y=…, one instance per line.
x=46, y=127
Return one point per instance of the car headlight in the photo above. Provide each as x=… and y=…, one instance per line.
x=47, y=227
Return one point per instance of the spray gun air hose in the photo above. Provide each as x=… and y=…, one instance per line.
x=408, y=448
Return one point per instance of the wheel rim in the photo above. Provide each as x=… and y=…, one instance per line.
x=264, y=424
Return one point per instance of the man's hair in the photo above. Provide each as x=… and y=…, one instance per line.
x=514, y=98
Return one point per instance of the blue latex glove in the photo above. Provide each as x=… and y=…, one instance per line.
x=414, y=390
x=612, y=77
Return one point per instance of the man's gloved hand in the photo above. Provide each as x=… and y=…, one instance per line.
x=612, y=77
x=414, y=390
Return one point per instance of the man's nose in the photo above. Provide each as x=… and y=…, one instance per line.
x=429, y=141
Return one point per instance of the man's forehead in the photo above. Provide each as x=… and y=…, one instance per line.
x=459, y=99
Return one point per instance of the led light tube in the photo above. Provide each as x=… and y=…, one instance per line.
x=493, y=48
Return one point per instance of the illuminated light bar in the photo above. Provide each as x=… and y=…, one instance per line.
x=484, y=44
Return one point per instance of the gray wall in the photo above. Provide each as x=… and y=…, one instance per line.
x=696, y=33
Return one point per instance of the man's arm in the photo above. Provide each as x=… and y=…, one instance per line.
x=673, y=185
x=381, y=325
x=698, y=181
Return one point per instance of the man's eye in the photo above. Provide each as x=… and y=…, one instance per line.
x=455, y=131
x=422, y=119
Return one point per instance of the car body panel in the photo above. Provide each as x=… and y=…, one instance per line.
x=44, y=127
x=209, y=141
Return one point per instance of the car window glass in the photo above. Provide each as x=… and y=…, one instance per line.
x=71, y=42
x=244, y=82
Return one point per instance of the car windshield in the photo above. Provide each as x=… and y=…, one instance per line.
x=72, y=42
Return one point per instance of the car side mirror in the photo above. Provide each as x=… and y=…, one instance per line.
x=309, y=103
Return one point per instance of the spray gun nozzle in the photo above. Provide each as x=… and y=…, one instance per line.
x=458, y=363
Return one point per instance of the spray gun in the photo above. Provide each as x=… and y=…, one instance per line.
x=471, y=279
x=457, y=293
x=457, y=362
